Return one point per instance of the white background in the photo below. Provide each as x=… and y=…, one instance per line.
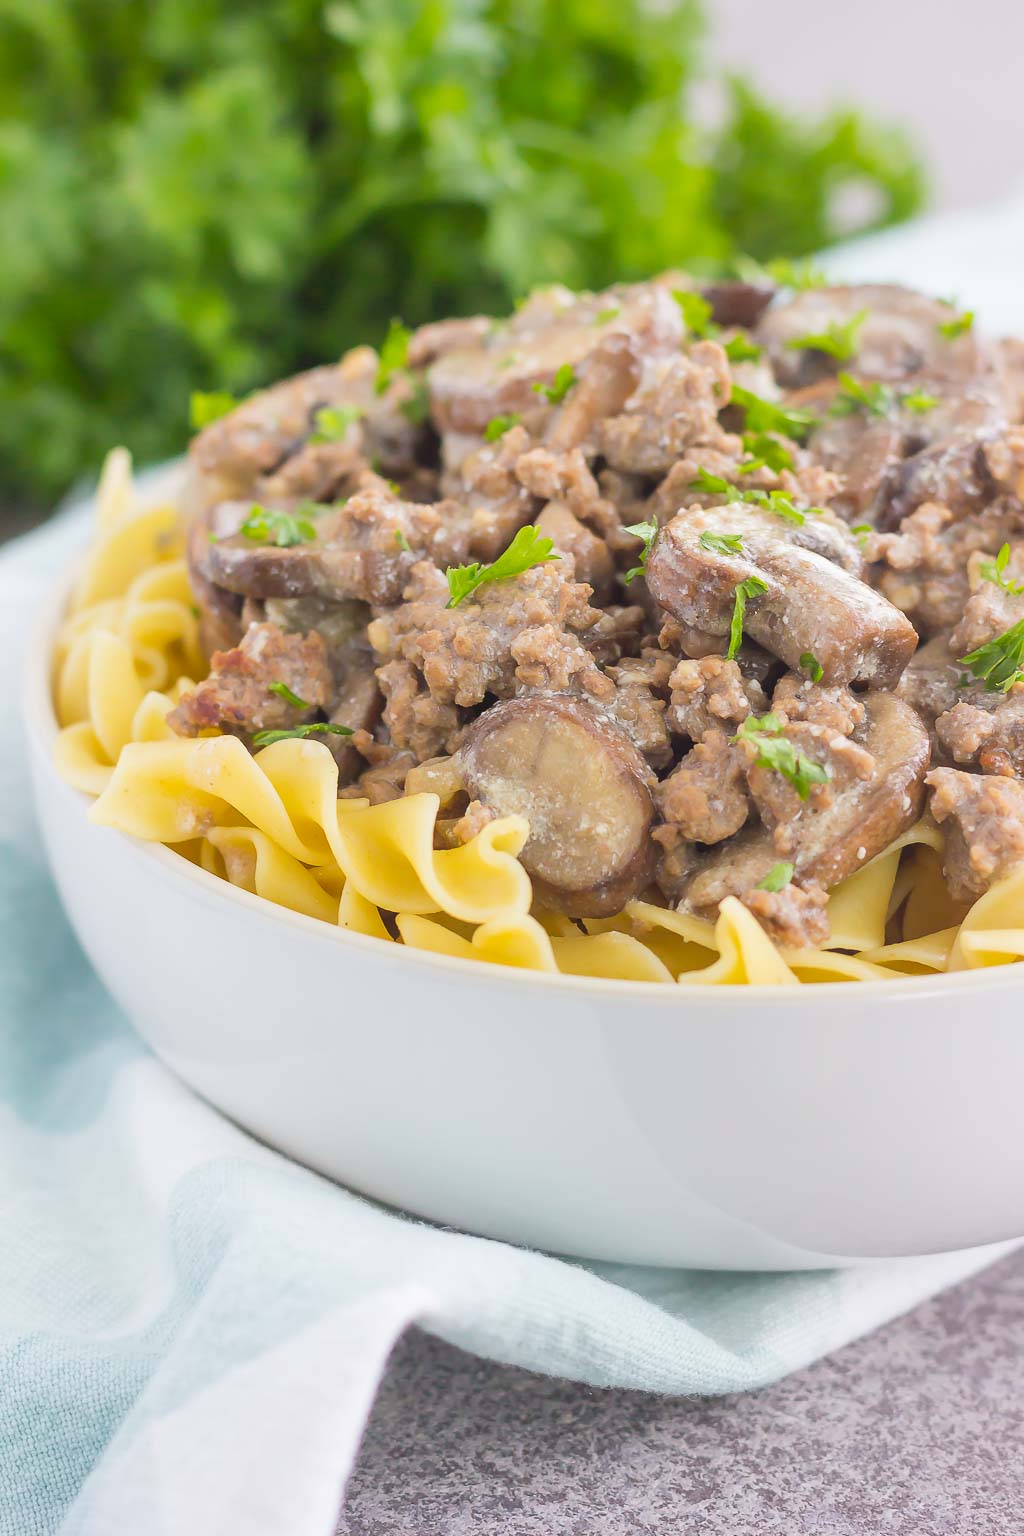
x=953, y=74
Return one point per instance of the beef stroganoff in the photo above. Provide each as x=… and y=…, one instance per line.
x=667, y=632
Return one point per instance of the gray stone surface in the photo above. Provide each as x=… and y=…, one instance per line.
x=915, y=1431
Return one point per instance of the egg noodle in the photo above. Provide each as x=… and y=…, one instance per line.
x=272, y=823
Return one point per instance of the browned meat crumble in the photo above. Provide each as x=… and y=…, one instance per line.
x=750, y=603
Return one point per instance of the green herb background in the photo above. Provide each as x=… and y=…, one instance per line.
x=212, y=193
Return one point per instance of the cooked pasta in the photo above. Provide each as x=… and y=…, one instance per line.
x=271, y=822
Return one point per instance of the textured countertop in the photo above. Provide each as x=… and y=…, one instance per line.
x=915, y=1431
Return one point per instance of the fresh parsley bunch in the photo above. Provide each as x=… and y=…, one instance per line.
x=209, y=194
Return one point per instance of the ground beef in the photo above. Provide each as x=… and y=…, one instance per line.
x=237, y=694
x=983, y=819
x=777, y=800
x=986, y=732
x=507, y=635
x=837, y=709
x=991, y=609
x=416, y=719
x=794, y=917
x=706, y=796
x=924, y=564
x=677, y=405
x=711, y=694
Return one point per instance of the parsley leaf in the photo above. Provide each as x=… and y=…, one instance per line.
x=318, y=728
x=777, y=878
x=854, y=395
x=648, y=532
x=556, y=392
x=696, y=312
x=266, y=526
x=394, y=354
x=721, y=543
x=499, y=425
x=417, y=408
x=765, y=416
x=769, y=501
x=740, y=349
x=331, y=422
x=527, y=549
x=860, y=532
x=812, y=666
x=994, y=571
x=752, y=587
x=604, y=315
x=838, y=339
x=918, y=401
x=959, y=324
x=781, y=273
x=767, y=453
x=402, y=541
x=998, y=662
x=777, y=752
x=204, y=408
x=284, y=692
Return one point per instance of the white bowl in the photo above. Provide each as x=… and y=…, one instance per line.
x=728, y=1127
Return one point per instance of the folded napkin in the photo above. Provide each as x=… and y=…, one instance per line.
x=192, y=1330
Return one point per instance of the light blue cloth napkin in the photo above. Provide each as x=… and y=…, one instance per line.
x=192, y=1330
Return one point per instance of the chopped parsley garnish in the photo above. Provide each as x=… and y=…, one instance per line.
x=696, y=312
x=765, y=416
x=204, y=408
x=766, y=453
x=402, y=541
x=860, y=532
x=556, y=392
x=998, y=662
x=721, y=543
x=394, y=354
x=877, y=399
x=284, y=692
x=648, y=532
x=752, y=587
x=740, y=349
x=331, y=422
x=855, y=395
x=958, y=326
x=499, y=425
x=604, y=315
x=777, y=878
x=782, y=273
x=265, y=526
x=918, y=401
x=527, y=549
x=318, y=728
x=812, y=666
x=417, y=408
x=838, y=339
x=777, y=752
x=769, y=501
x=995, y=572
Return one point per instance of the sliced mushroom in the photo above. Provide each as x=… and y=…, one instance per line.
x=554, y=328
x=737, y=303
x=867, y=451
x=899, y=336
x=861, y=820
x=591, y=557
x=813, y=603
x=930, y=682
x=584, y=789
